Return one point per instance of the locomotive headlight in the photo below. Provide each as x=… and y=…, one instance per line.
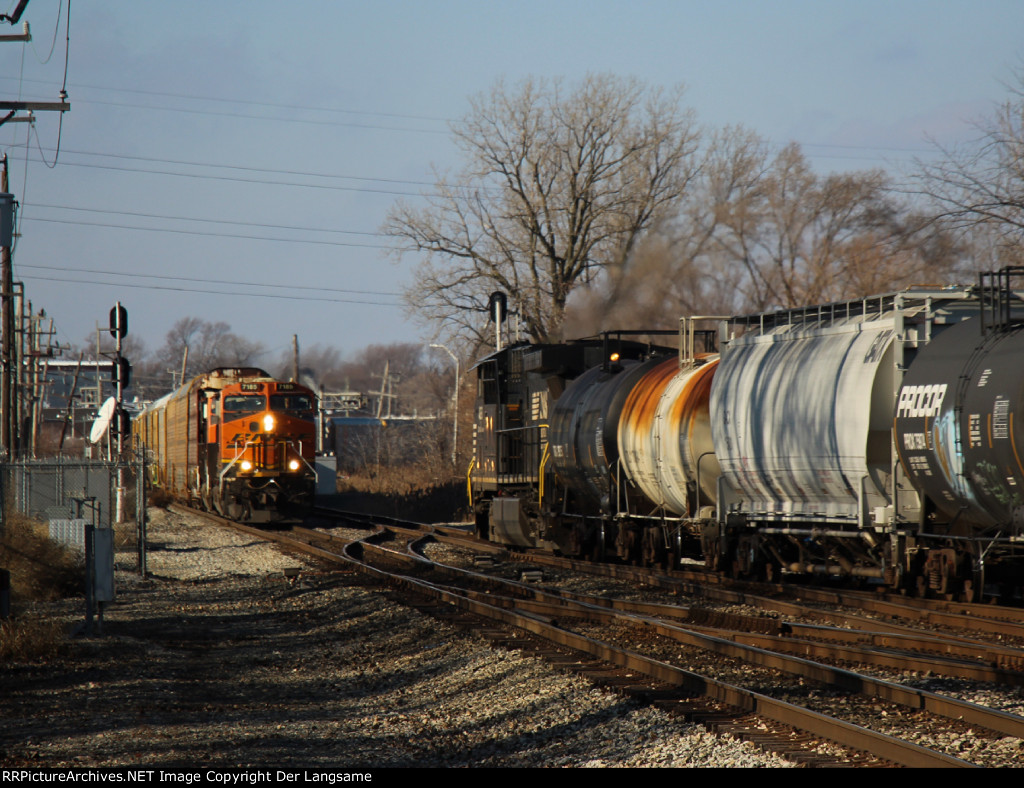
x=293, y=465
x=268, y=423
x=246, y=465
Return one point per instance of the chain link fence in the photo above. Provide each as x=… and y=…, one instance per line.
x=67, y=492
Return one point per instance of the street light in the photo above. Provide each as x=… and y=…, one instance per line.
x=455, y=414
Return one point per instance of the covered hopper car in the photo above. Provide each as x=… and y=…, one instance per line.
x=236, y=441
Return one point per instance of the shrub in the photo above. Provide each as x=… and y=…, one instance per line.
x=41, y=569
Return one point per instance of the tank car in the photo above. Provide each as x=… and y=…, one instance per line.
x=234, y=440
x=802, y=408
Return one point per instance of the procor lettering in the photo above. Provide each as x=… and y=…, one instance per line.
x=918, y=402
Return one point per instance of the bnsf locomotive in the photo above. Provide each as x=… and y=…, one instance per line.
x=875, y=438
x=236, y=441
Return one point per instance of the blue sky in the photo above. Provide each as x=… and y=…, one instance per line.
x=223, y=125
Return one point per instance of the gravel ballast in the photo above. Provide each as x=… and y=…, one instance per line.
x=225, y=658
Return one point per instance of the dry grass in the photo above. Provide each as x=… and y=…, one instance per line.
x=158, y=497
x=30, y=638
x=41, y=570
x=408, y=493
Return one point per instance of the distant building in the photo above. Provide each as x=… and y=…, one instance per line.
x=361, y=441
x=63, y=400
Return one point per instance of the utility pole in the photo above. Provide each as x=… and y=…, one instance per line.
x=8, y=353
x=6, y=320
x=295, y=358
x=69, y=416
x=455, y=406
x=11, y=107
x=385, y=384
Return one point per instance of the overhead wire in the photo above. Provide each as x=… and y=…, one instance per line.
x=243, y=168
x=205, y=220
x=228, y=178
x=53, y=42
x=307, y=121
x=208, y=281
x=63, y=96
x=35, y=277
x=250, y=102
x=177, y=231
x=880, y=150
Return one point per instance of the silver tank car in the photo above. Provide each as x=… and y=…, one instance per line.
x=802, y=415
x=802, y=411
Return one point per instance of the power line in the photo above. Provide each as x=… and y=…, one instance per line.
x=229, y=178
x=248, y=169
x=252, y=103
x=204, y=220
x=63, y=280
x=244, y=116
x=209, y=234
x=317, y=288
x=866, y=148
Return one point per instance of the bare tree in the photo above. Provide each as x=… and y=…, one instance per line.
x=210, y=345
x=758, y=230
x=680, y=266
x=558, y=184
x=320, y=365
x=979, y=187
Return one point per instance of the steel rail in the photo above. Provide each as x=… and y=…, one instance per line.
x=918, y=699
x=720, y=593
x=843, y=733
x=974, y=660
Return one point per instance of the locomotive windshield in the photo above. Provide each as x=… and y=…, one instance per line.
x=300, y=405
x=237, y=405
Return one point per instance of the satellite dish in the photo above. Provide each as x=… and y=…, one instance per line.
x=99, y=427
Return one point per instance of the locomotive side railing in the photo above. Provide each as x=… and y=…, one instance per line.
x=688, y=334
x=998, y=300
x=521, y=449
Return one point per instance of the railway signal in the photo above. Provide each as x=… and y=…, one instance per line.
x=121, y=373
x=118, y=323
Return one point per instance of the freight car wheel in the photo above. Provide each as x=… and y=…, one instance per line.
x=713, y=555
x=772, y=571
x=598, y=553
x=974, y=571
x=236, y=509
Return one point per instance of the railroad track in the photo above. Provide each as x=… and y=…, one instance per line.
x=613, y=641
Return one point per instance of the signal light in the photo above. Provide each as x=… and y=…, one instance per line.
x=118, y=322
x=497, y=307
x=121, y=372
x=120, y=423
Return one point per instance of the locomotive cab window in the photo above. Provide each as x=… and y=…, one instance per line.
x=238, y=405
x=299, y=405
